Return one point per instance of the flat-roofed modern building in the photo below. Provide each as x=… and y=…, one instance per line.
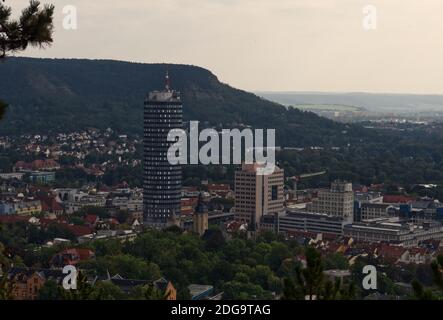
x=42, y=177
x=394, y=230
x=310, y=222
x=162, y=180
x=258, y=195
x=374, y=210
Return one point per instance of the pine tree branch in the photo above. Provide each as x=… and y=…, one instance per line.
x=34, y=27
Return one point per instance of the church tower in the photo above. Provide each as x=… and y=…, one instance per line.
x=200, y=217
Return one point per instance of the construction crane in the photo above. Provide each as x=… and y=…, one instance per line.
x=296, y=179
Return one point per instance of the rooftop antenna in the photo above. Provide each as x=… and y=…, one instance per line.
x=167, y=81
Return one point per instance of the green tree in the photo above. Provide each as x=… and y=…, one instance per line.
x=106, y=290
x=291, y=291
x=127, y=266
x=55, y=230
x=5, y=287
x=336, y=261
x=420, y=292
x=34, y=27
x=50, y=291
x=331, y=289
x=214, y=239
x=148, y=292
x=436, y=267
x=308, y=280
x=244, y=291
x=76, y=221
x=4, y=260
x=312, y=276
x=279, y=252
x=337, y=290
x=107, y=247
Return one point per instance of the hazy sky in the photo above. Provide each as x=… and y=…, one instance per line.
x=281, y=45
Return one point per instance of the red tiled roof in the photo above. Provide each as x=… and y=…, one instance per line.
x=187, y=211
x=397, y=199
x=91, y=219
x=82, y=253
x=38, y=164
x=21, y=164
x=12, y=219
x=73, y=256
x=55, y=206
x=391, y=253
x=189, y=201
x=234, y=225
x=79, y=231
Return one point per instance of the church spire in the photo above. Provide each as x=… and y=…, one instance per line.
x=200, y=207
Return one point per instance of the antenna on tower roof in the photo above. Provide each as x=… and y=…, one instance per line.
x=167, y=81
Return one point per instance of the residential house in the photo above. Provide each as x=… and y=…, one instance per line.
x=27, y=282
x=128, y=285
x=72, y=257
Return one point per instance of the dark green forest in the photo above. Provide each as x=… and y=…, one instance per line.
x=59, y=95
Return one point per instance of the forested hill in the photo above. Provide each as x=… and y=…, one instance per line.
x=68, y=94
x=64, y=95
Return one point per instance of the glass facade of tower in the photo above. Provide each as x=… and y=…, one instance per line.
x=162, y=181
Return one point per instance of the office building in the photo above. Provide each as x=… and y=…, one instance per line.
x=257, y=196
x=338, y=201
x=371, y=211
x=162, y=180
x=310, y=222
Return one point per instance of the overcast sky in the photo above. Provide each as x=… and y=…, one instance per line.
x=276, y=45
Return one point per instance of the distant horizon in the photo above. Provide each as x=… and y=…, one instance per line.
x=347, y=92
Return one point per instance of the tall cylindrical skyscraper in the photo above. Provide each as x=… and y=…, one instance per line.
x=162, y=181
